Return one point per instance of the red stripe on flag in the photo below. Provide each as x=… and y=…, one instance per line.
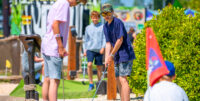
x=154, y=61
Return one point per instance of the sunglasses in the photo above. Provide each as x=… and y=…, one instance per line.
x=104, y=14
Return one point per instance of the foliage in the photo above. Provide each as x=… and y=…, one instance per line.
x=16, y=18
x=192, y=4
x=95, y=8
x=177, y=4
x=178, y=36
x=1, y=3
x=158, y=4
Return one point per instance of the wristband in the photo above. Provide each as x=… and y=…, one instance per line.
x=57, y=35
x=112, y=55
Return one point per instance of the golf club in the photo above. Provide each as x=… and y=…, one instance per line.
x=84, y=67
x=102, y=77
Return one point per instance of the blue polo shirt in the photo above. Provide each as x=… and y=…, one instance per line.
x=113, y=31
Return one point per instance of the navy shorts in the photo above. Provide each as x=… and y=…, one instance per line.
x=95, y=56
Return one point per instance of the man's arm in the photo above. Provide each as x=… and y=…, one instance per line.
x=117, y=46
x=37, y=59
x=85, y=40
x=103, y=44
x=134, y=36
x=56, y=32
x=109, y=54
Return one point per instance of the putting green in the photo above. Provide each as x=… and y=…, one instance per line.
x=72, y=89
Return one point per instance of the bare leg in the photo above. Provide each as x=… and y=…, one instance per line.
x=99, y=72
x=119, y=86
x=42, y=68
x=45, y=88
x=125, y=90
x=53, y=89
x=90, y=73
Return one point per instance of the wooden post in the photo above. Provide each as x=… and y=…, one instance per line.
x=79, y=69
x=111, y=85
x=31, y=53
x=71, y=55
x=30, y=43
x=6, y=27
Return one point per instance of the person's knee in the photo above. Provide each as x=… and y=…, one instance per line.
x=99, y=68
x=123, y=80
x=42, y=64
x=46, y=82
x=55, y=81
x=90, y=65
x=46, y=79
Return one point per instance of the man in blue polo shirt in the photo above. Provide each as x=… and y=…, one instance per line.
x=122, y=52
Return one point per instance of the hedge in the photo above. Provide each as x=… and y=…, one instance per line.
x=178, y=36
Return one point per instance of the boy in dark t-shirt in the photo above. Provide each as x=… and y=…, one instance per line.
x=122, y=52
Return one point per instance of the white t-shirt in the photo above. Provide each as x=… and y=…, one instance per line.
x=165, y=91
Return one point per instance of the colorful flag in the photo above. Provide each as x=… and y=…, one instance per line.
x=154, y=61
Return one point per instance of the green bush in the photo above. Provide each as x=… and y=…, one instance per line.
x=178, y=36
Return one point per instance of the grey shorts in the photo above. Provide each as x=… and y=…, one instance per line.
x=123, y=69
x=37, y=67
x=52, y=67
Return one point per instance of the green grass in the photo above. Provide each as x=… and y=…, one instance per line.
x=2, y=73
x=72, y=89
x=86, y=76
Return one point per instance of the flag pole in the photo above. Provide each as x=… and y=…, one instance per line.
x=147, y=54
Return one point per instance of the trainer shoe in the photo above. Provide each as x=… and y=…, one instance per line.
x=91, y=86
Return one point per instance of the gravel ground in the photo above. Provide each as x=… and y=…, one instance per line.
x=7, y=88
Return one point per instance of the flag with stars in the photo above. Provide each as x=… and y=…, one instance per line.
x=154, y=61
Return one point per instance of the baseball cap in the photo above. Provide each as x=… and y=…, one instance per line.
x=170, y=67
x=106, y=8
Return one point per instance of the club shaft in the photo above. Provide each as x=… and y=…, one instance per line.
x=102, y=77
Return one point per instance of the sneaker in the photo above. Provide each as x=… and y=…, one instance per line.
x=91, y=86
x=41, y=84
x=37, y=81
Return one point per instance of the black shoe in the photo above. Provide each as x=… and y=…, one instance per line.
x=37, y=81
x=41, y=83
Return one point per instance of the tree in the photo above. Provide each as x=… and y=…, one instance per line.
x=193, y=4
x=1, y=3
x=158, y=4
x=179, y=41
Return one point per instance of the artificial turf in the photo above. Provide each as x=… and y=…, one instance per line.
x=72, y=90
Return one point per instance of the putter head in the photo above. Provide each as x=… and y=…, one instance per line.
x=83, y=83
x=73, y=30
x=72, y=73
